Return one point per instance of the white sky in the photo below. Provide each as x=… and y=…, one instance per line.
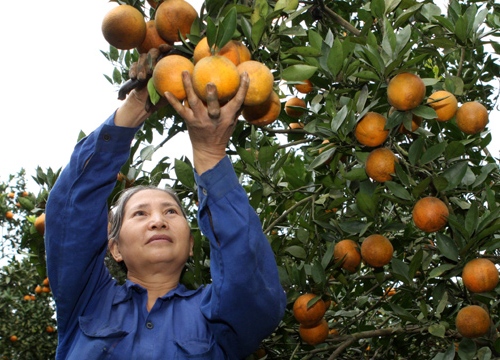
x=53, y=84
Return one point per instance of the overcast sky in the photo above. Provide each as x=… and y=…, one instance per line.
x=53, y=84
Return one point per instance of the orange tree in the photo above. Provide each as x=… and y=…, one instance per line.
x=306, y=176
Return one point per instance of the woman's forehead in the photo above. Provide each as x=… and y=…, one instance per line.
x=150, y=197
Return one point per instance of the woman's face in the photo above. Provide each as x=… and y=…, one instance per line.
x=154, y=231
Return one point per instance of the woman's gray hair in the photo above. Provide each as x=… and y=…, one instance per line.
x=115, y=217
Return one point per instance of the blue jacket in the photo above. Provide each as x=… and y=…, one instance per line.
x=100, y=319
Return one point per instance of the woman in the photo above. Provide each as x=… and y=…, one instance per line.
x=152, y=316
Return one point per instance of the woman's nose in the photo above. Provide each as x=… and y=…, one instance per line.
x=158, y=221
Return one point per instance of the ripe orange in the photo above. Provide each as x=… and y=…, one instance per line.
x=124, y=27
x=472, y=117
x=376, y=250
x=390, y=291
x=405, y=91
x=152, y=38
x=45, y=289
x=480, y=275
x=472, y=321
x=348, y=252
x=261, y=82
x=245, y=54
x=167, y=75
x=13, y=338
x=370, y=130
x=9, y=215
x=305, y=315
x=291, y=107
x=27, y=297
x=218, y=70
x=40, y=224
x=45, y=282
x=11, y=195
x=380, y=164
x=265, y=113
x=230, y=50
x=445, y=108
x=173, y=17
x=304, y=88
x=38, y=289
x=296, y=125
x=314, y=335
x=50, y=329
x=430, y=214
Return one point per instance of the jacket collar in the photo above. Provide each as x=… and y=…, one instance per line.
x=125, y=291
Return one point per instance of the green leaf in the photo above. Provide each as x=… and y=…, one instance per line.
x=339, y=118
x=147, y=153
x=367, y=75
x=154, y=96
x=425, y=112
x=322, y=158
x=366, y=203
x=378, y=8
x=398, y=190
x=306, y=51
x=461, y=29
x=286, y=5
x=401, y=271
x=403, y=313
x=318, y=273
x=447, y=246
x=335, y=58
x=26, y=203
x=455, y=174
x=416, y=150
x=298, y=72
x=227, y=28
x=438, y=330
x=296, y=251
x=440, y=270
x=454, y=150
x=184, y=173
x=433, y=153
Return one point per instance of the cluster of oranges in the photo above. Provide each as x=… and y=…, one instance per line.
x=124, y=27
x=309, y=310
x=479, y=275
x=43, y=288
x=375, y=251
x=405, y=92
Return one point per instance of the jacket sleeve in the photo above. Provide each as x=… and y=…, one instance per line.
x=246, y=300
x=76, y=220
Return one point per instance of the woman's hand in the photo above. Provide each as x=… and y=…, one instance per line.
x=209, y=126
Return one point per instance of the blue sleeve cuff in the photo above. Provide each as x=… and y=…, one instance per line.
x=216, y=182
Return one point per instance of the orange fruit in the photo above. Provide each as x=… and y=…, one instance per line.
x=230, y=50
x=445, y=108
x=291, y=107
x=27, y=297
x=9, y=215
x=245, y=54
x=296, y=125
x=472, y=321
x=38, y=289
x=11, y=195
x=151, y=40
x=472, y=117
x=174, y=17
x=348, y=252
x=430, y=214
x=218, y=70
x=405, y=91
x=316, y=334
x=265, y=113
x=45, y=289
x=305, y=88
x=13, y=338
x=306, y=315
x=49, y=329
x=261, y=82
x=376, y=250
x=40, y=224
x=380, y=164
x=124, y=27
x=370, y=130
x=390, y=291
x=167, y=75
x=480, y=275
x=45, y=282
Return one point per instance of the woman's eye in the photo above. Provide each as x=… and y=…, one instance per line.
x=171, y=211
x=139, y=213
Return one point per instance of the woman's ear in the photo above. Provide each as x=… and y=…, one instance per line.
x=191, y=245
x=114, y=250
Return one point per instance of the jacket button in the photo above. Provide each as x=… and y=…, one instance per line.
x=106, y=137
x=149, y=325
